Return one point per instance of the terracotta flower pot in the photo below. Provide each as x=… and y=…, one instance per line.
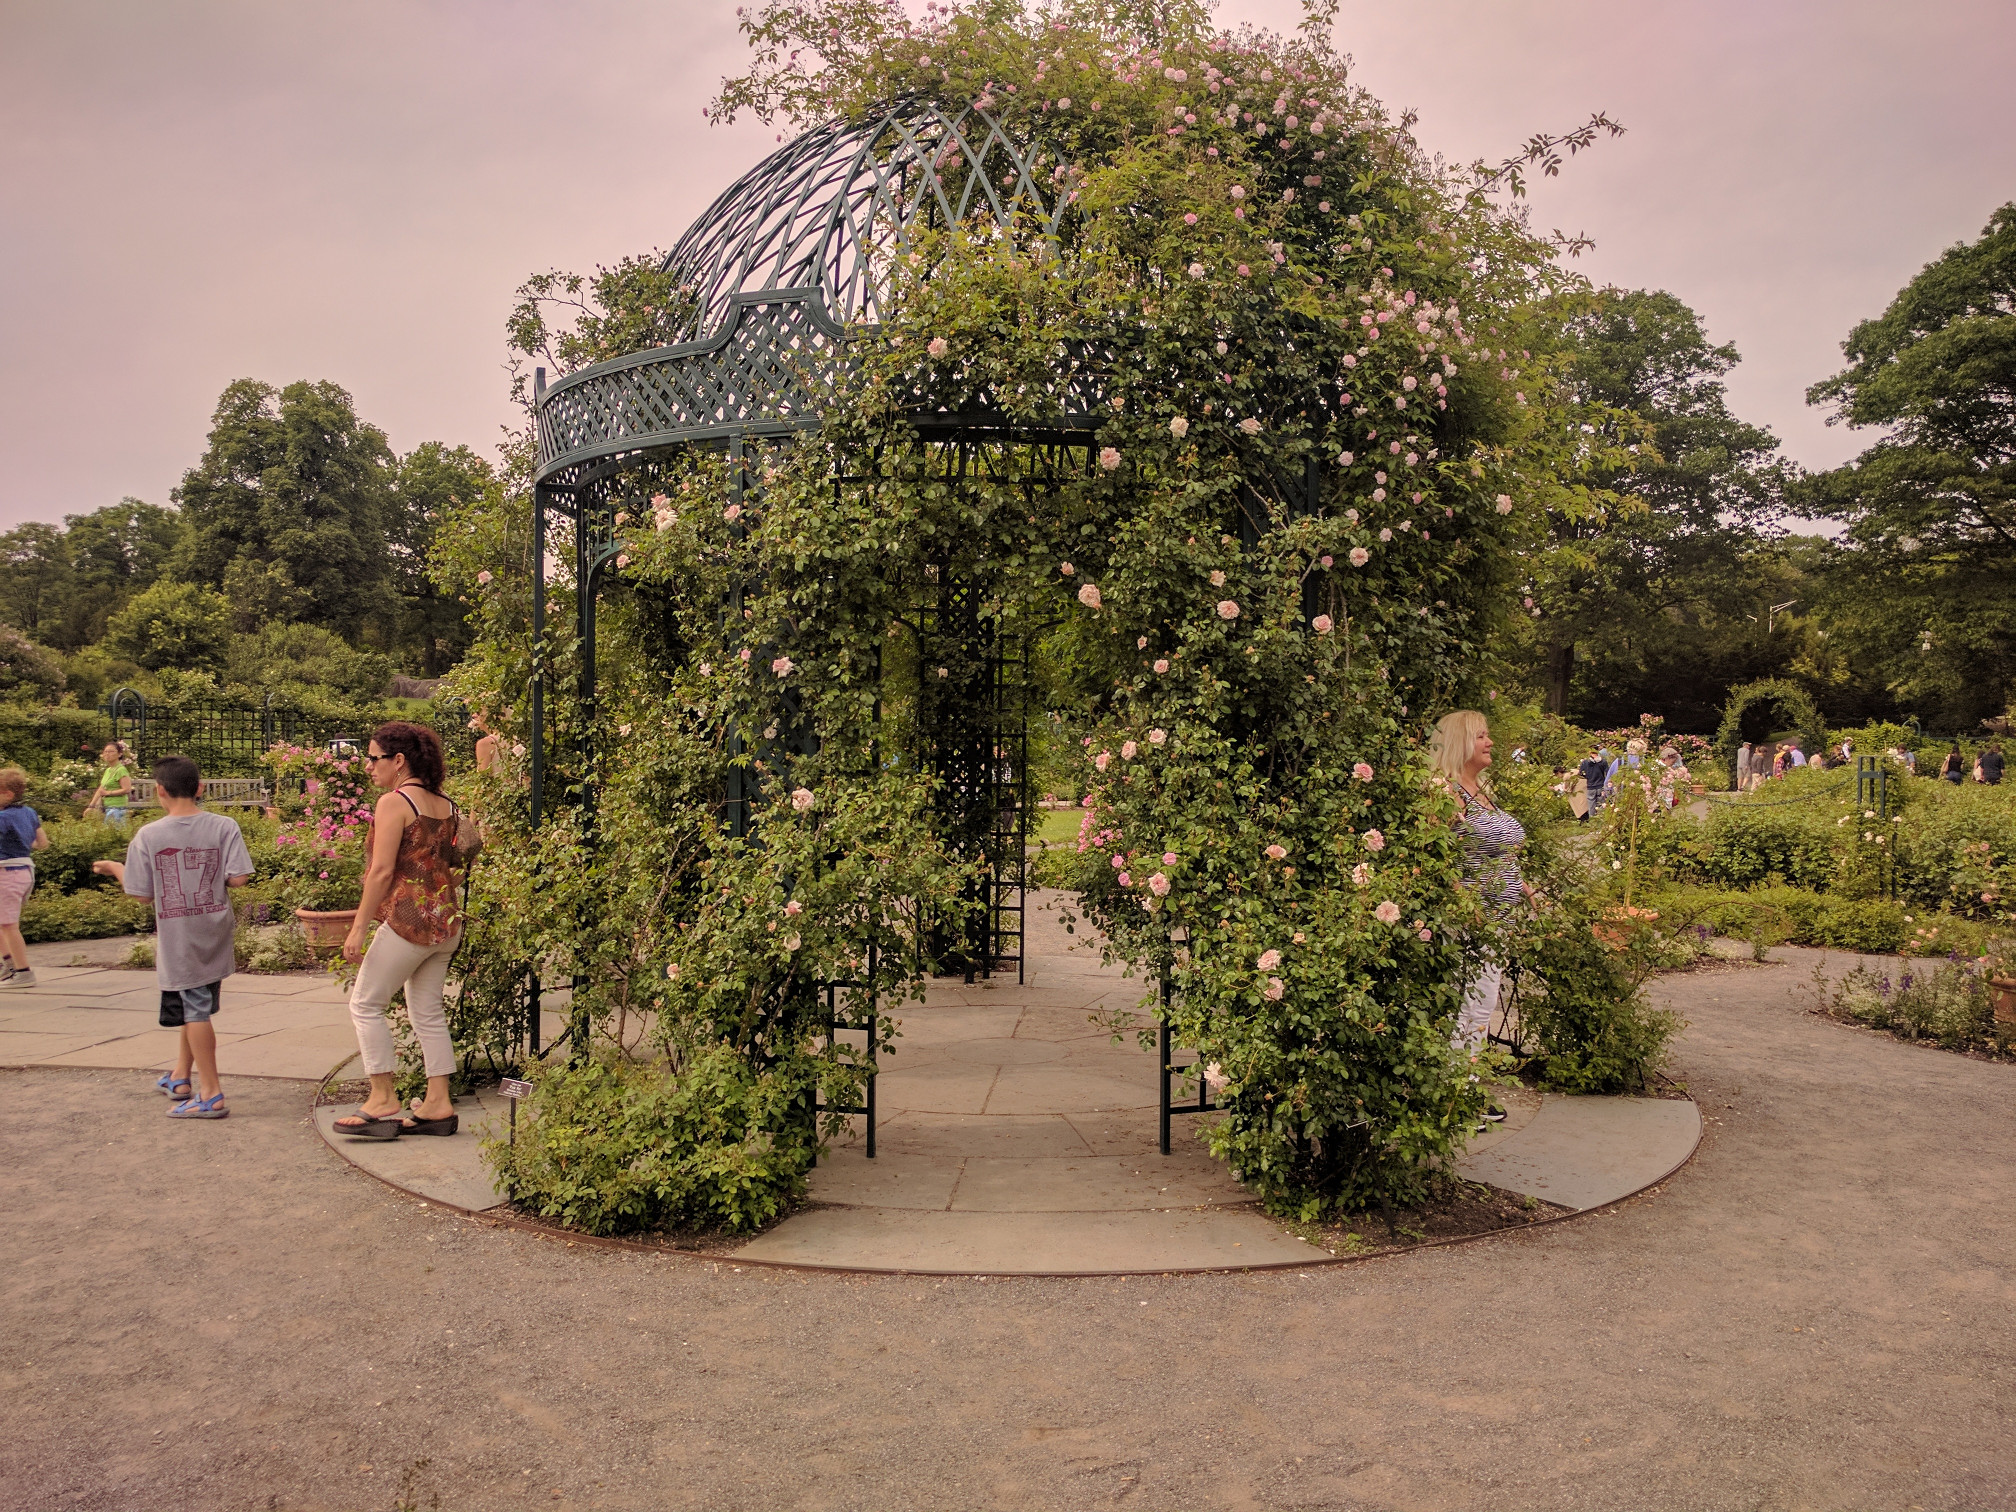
x=2005, y=999
x=326, y=929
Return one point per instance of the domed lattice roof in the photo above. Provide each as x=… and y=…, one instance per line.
x=832, y=208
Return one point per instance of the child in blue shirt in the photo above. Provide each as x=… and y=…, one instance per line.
x=21, y=835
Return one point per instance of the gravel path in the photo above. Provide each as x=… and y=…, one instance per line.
x=1816, y=1313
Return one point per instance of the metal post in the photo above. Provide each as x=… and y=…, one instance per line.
x=538, y=783
x=1163, y=1051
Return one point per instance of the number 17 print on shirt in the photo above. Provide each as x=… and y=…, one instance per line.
x=188, y=880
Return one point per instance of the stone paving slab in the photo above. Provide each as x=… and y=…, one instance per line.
x=1585, y=1152
x=448, y=1170
x=1038, y=1244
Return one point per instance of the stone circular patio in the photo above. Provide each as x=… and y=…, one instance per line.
x=1016, y=1137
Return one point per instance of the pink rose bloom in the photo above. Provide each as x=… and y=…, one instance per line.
x=1227, y=610
x=1359, y=556
x=938, y=346
x=1273, y=990
x=1361, y=875
x=1374, y=841
x=1125, y=880
x=1159, y=885
x=1276, y=852
x=783, y=666
x=1362, y=771
x=803, y=799
x=1385, y=535
x=1269, y=959
x=792, y=942
x=1128, y=750
x=1109, y=457
x=1089, y=596
x=1179, y=427
x=793, y=909
x=1322, y=624
x=1161, y=664
x=1504, y=503
x=1103, y=760
x=732, y=512
x=483, y=577
x=1119, y=863
x=1217, y=580
x=672, y=971
x=1387, y=912
x=1326, y=561
x=1066, y=568
x=1250, y=425
x=1427, y=934
x=1168, y=858
x=743, y=653
x=1157, y=737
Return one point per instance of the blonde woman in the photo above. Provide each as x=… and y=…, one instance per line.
x=1490, y=837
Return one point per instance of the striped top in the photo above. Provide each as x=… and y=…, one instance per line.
x=1491, y=839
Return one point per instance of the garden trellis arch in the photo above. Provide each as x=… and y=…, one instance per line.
x=1792, y=702
x=778, y=269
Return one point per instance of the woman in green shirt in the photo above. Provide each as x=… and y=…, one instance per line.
x=115, y=788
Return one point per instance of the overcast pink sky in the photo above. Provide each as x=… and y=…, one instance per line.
x=201, y=191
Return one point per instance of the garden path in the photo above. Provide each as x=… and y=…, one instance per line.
x=1820, y=1311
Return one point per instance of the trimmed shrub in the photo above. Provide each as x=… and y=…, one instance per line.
x=613, y=1146
x=90, y=915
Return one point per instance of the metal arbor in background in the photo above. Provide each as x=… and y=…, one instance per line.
x=778, y=269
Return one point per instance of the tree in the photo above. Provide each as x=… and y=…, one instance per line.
x=432, y=481
x=1931, y=507
x=292, y=478
x=34, y=576
x=26, y=669
x=180, y=626
x=115, y=552
x=1645, y=594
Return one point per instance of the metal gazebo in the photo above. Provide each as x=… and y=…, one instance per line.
x=779, y=269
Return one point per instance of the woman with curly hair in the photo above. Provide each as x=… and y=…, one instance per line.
x=412, y=889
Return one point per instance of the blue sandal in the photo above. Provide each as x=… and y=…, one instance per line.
x=201, y=1107
x=167, y=1085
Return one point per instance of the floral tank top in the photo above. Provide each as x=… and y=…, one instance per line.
x=422, y=907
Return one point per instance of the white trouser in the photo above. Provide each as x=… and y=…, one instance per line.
x=392, y=963
x=1473, y=1021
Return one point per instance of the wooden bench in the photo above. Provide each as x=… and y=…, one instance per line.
x=218, y=792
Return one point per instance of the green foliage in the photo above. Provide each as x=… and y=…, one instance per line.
x=173, y=625
x=295, y=661
x=294, y=480
x=1640, y=579
x=1579, y=992
x=1931, y=507
x=90, y=915
x=35, y=739
x=28, y=671
x=612, y=1146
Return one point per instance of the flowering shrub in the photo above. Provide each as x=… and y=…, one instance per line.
x=323, y=844
x=1282, y=546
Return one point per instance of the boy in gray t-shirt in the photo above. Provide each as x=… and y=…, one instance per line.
x=188, y=861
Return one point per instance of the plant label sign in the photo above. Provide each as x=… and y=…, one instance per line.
x=514, y=1089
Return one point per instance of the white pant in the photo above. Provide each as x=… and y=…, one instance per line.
x=1473, y=1020
x=422, y=970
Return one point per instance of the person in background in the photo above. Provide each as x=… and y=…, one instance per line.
x=21, y=835
x=187, y=862
x=1954, y=767
x=1593, y=769
x=488, y=746
x=115, y=786
x=1794, y=757
x=1989, y=765
x=1743, y=767
x=1672, y=772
